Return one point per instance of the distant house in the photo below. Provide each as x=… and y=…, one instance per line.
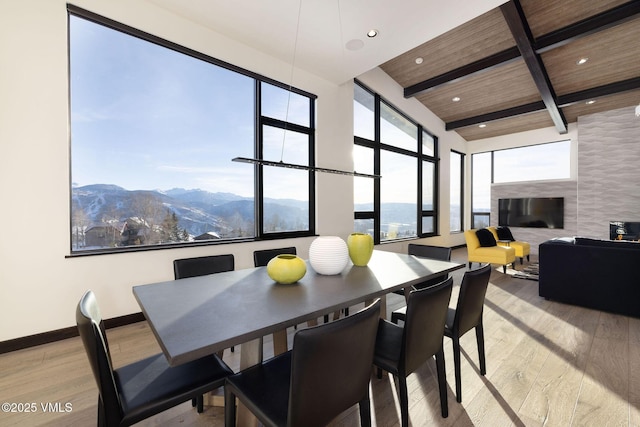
x=134, y=232
x=209, y=235
x=102, y=235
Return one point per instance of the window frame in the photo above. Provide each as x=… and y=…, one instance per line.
x=461, y=195
x=259, y=122
x=378, y=146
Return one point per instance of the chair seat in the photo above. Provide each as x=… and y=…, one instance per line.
x=522, y=249
x=264, y=388
x=150, y=385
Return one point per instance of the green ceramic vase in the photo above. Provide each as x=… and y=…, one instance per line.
x=360, y=248
x=286, y=269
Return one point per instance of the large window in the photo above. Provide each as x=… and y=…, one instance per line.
x=402, y=203
x=531, y=163
x=154, y=129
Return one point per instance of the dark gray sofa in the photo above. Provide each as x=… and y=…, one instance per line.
x=600, y=274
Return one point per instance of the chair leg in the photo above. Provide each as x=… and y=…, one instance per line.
x=102, y=419
x=456, y=365
x=521, y=260
x=404, y=401
x=194, y=402
x=200, y=404
x=379, y=372
x=442, y=383
x=365, y=411
x=480, y=340
x=233, y=349
x=470, y=265
x=527, y=258
x=229, y=407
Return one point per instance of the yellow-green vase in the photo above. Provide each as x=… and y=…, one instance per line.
x=286, y=268
x=360, y=248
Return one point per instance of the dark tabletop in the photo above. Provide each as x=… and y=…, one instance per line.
x=198, y=316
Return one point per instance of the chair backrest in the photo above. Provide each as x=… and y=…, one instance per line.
x=262, y=257
x=331, y=367
x=91, y=329
x=433, y=252
x=199, y=266
x=471, y=299
x=424, y=325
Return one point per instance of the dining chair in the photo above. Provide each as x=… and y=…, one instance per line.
x=423, y=251
x=137, y=391
x=262, y=257
x=468, y=315
x=313, y=383
x=200, y=266
x=401, y=350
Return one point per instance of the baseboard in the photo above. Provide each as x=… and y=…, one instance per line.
x=63, y=334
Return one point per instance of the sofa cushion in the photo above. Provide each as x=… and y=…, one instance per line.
x=485, y=237
x=505, y=234
x=586, y=241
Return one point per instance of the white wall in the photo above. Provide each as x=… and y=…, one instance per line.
x=39, y=284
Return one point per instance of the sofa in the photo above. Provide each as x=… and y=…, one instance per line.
x=593, y=273
x=485, y=253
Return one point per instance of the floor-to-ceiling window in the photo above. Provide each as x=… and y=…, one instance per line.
x=401, y=204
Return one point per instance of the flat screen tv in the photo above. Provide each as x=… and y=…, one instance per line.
x=539, y=212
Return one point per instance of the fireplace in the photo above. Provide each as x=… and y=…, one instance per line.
x=624, y=230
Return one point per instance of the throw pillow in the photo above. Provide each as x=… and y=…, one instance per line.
x=485, y=237
x=505, y=234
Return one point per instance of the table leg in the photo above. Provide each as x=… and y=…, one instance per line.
x=250, y=354
x=280, y=342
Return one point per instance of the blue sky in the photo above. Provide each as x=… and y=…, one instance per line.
x=146, y=117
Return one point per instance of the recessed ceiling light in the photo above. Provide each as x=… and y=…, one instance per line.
x=419, y=60
x=482, y=125
x=591, y=101
x=582, y=61
x=372, y=33
x=455, y=99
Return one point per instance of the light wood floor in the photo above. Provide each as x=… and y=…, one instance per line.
x=548, y=364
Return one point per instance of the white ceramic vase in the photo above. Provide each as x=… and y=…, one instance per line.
x=328, y=255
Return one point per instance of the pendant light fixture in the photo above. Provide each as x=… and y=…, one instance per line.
x=280, y=163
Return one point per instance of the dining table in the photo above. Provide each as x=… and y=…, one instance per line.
x=198, y=316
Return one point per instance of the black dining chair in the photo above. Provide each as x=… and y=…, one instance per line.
x=200, y=266
x=313, y=383
x=137, y=391
x=262, y=257
x=423, y=251
x=402, y=350
x=468, y=315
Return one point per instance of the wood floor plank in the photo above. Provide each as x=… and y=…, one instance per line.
x=603, y=398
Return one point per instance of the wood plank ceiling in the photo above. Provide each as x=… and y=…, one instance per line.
x=515, y=68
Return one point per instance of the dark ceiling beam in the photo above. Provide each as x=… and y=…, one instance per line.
x=496, y=115
x=570, y=33
x=517, y=23
x=602, y=21
x=563, y=101
x=482, y=65
x=598, y=92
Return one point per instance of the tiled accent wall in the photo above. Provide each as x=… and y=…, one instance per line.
x=535, y=236
x=608, y=170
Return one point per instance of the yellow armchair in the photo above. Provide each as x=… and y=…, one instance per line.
x=523, y=249
x=501, y=255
